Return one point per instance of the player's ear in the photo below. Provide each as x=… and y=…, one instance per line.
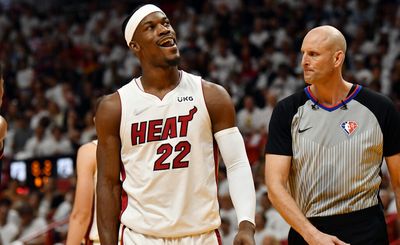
x=134, y=46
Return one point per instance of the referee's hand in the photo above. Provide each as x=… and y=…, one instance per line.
x=325, y=239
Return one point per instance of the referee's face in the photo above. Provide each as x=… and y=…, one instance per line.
x=317, y=61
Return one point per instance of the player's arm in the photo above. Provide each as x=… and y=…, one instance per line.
x=3, y=122
x=277, y=168
x=3, y=133
x=108, y=188
x=231, y=146
x=393, y=164
x=82, y=211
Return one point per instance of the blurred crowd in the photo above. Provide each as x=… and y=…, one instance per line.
x=60, y=56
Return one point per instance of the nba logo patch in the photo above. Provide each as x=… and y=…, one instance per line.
x=349, y=127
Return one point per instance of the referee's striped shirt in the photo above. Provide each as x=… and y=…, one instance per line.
x=336, y=151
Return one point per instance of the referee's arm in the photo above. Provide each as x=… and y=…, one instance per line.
x=277, y=169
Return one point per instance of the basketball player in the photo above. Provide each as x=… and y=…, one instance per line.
x=326, y=145
x=82, y=222
x=156, y=137
x=3, y=122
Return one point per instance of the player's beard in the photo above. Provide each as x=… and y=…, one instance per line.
x=174, y=62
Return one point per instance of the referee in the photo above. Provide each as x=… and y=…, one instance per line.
x=325, y=151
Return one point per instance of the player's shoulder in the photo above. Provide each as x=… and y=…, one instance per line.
x=87, y=147
x=86, y=158
x=87, y=153
x=213, y=88
x=109, y=105
x=110, y=99
x=215, y=95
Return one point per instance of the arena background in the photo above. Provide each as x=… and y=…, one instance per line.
x=59, y=56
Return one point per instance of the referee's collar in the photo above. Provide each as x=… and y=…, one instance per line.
x=350, y=96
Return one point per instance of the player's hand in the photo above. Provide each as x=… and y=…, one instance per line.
x=325, y=239
x=245, y=235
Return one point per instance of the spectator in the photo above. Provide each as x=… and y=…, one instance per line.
x=56, y=144
x=249, y=117
x=259, y=35
x=8, y=229
x=270, y=100
x=260, y=228
x=226, y=231
x=224, y=62
x=30, y=225
x=22, y=133
x=34, y=147
x=24, y=75
x=89, y=131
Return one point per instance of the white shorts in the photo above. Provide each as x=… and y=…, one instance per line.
x=130, y=237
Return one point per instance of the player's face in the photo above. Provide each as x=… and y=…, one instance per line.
x=157, y=40
x=317, y=61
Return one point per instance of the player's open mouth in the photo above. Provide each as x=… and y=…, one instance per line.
x=168, y=42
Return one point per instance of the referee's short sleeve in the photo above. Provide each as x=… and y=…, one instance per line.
x=279, y=132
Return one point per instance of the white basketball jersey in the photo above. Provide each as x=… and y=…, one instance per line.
x=169, y=167
x=93, y=233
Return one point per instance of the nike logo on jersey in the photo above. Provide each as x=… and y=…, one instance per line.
x=138, y=112
x=303, y=130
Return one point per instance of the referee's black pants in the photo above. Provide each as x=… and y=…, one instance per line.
x=363, y=227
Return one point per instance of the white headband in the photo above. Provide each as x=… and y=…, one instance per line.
x=136, y=18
